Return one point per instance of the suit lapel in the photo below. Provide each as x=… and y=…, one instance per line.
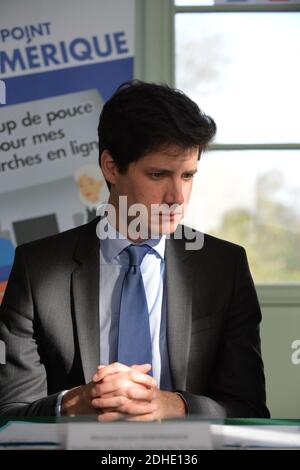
x=85, y=296
x=179, y=310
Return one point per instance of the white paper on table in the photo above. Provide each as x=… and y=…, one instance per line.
x=24, y=433
x=166, y=435
x=260, y=436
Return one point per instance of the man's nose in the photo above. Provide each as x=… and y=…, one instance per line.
x=174, y=194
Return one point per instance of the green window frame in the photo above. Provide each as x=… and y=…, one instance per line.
x=155, y=61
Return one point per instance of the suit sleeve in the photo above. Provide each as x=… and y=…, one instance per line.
x=236, y=386
x=23, y=380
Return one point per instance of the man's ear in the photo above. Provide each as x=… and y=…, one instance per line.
x=109, y=167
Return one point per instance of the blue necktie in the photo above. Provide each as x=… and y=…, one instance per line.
x=134, y=340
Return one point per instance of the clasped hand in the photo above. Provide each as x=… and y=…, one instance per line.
x=121, y=392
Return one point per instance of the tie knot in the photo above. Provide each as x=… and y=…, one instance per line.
x=137, y=253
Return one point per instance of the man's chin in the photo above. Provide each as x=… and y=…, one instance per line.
x=164, y=228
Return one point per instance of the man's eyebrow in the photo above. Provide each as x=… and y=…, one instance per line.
x=156, y=169
x=167, y=170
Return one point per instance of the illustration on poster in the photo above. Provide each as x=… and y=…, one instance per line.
x=90, y=183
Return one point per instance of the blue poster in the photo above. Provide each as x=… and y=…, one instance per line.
x=59, y=62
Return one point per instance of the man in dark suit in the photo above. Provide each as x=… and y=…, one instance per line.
x=91, y=326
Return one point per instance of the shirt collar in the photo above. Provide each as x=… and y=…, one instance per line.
x=112, y=246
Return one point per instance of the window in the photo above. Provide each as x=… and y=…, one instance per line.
x=242, y=68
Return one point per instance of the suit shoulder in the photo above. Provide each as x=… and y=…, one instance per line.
x=220, y=244
x=203, y=244
x=208, y=241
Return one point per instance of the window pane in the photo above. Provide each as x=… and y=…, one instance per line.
x=244, y=70
x=236, y=2
x=193, y=3
x=252, y=198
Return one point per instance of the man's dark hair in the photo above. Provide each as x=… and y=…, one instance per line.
x=144, y=117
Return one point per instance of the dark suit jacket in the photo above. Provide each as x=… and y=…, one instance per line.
x=49, y=321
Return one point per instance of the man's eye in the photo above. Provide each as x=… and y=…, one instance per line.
x=156, y=175
x=188, y=176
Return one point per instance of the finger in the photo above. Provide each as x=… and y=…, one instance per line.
x=125, y=406
x=142, y=367
x=147, y=417
x=110, y=402
x=96, y=392
x=108, y=370
x=137, y=408
x=98, y=369
x=122, y=397
x=134, y=376
x=113, y=383
x=111, y=387
x=111, y=416
x=116, y=367
x=114, y=387
x=141, y=393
